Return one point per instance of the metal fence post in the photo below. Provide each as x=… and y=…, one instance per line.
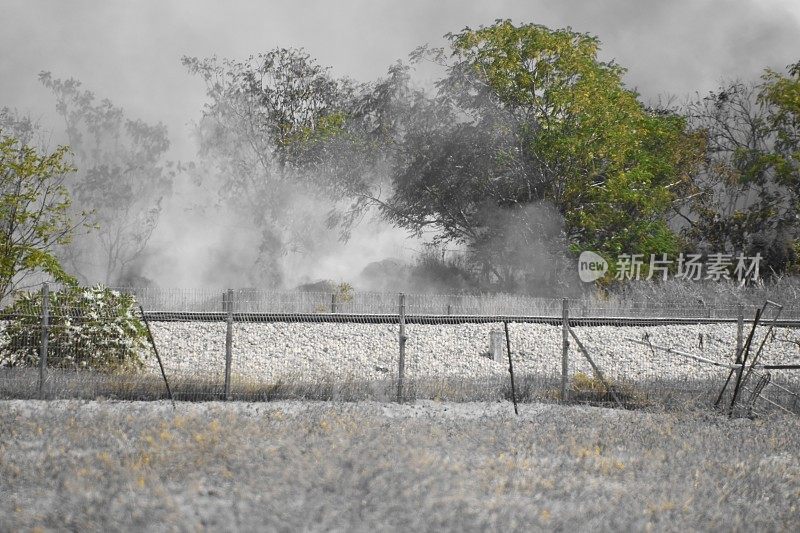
x=564, y=350
x=401, y=368
x=45, y=338
x=228, y=343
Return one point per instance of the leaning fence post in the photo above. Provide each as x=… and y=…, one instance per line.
x=401, y=368
x=228, y=343
x=45, y=338
x=741, y=346
x=158, y=357
x=564, y=350
x=510, y=368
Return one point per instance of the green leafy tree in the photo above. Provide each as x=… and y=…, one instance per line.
x=526, y=115
x=122, y=180
x=34, y=213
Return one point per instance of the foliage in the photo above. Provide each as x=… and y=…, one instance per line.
x=90, y=329
x=435, y=272
x=293, y=150
x=122, y=180
x=748, y=191
x=259, y=111
x=592, y=390
x=526, y=114
x=34, y=212
x=344, y=292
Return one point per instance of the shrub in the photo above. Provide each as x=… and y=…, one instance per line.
x=591, y=390
x=90, y=328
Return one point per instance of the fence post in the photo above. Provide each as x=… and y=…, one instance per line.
x=333, y=302
x=564, y=350
x=228, y=342
x=739, y=331
x=401, y=369
x=45, y=338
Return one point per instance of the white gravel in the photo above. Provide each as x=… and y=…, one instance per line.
x=271, y=351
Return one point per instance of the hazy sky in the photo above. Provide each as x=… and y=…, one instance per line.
x=129, y=51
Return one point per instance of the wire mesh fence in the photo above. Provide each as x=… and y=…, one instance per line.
x=263, y=345
x=348, y=301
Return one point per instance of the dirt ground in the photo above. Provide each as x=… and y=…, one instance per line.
x=429, y=466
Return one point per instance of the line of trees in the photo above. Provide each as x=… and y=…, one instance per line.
x=529, y=150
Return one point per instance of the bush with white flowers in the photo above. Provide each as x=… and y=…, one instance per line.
x=90, y=328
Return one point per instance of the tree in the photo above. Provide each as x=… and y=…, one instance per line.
x=256, y=109
x=748, y=190
x=292, y=149
x=351, y=163
x=34, y=212
x=526, y=115
x=123, y=179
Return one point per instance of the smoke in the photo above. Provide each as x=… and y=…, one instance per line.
x=524, y=251
x=131, y=52
x=202, y=241
x=526, y=248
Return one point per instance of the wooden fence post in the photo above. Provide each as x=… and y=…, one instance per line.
x=45, y=338
x=333, y=302
x=401, y=367
x=228, y=343
x=739, y=331
x=564, y=350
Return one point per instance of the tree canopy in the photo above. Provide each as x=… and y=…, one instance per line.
x=34, y=213
x=525, y=115
x=122, y=180
x=747, y=195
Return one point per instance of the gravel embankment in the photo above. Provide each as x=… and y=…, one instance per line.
x=267, y=352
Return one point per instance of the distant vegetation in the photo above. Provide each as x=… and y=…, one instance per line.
x=528, y=150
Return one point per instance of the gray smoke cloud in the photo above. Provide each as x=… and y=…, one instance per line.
x=130, y=51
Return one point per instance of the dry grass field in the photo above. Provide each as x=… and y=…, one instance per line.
x=429, y=466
